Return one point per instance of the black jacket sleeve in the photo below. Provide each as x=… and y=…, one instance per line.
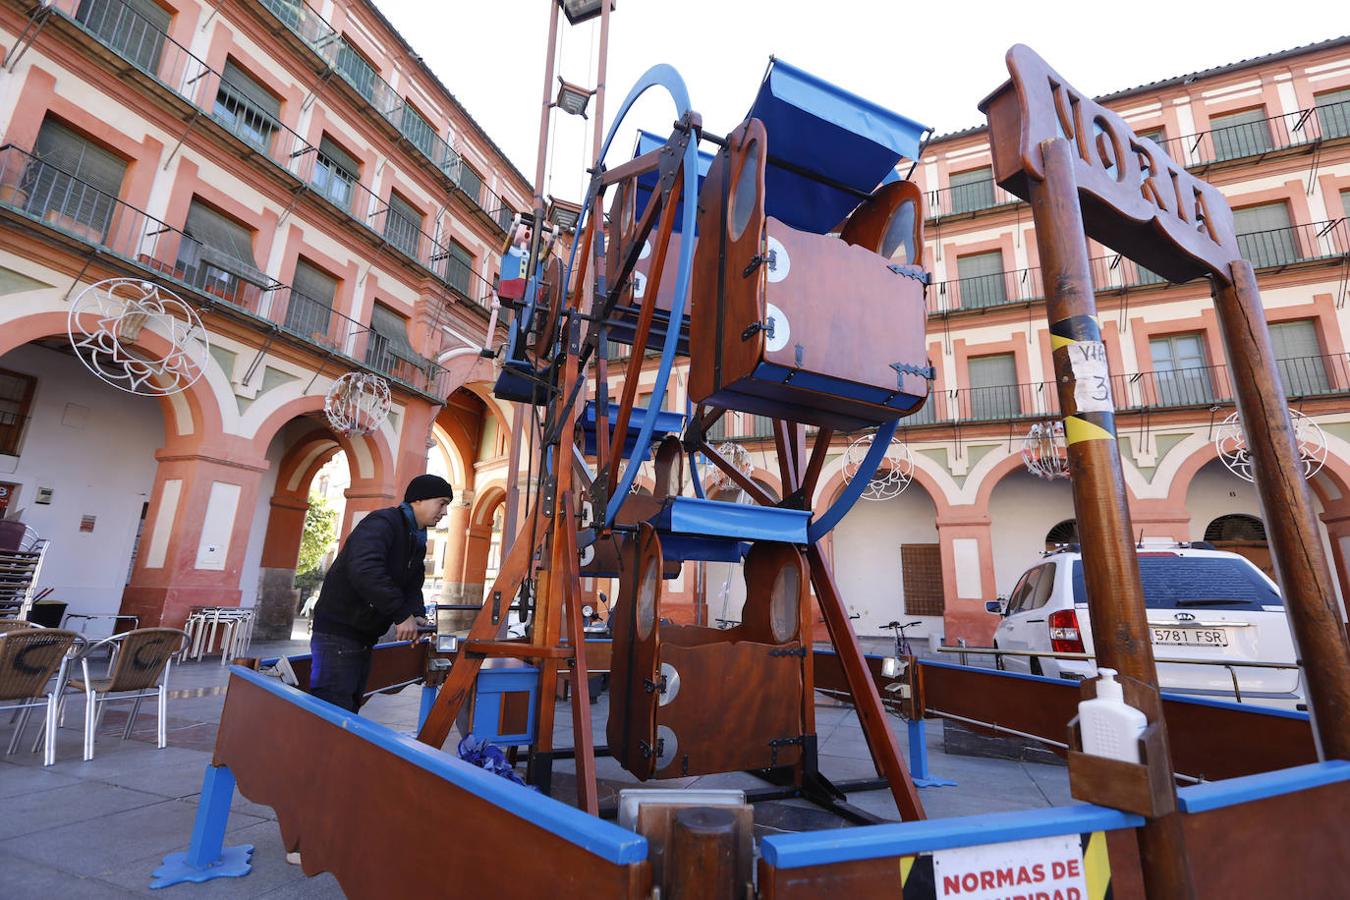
x=414, y=603
x=369, y=547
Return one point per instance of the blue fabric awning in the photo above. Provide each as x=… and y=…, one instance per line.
x=821, y=129
x=828, y=131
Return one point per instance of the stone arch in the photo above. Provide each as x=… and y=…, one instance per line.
x=479, y=539
x=371, y=454
x=197, y=407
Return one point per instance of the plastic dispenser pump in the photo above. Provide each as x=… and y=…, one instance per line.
x=1109, y=726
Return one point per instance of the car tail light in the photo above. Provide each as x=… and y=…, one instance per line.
x=1064, y=634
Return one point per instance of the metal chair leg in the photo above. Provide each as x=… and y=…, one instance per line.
x=49, y=753
x=163, y=714
x=131, y=719
x=18, y=729
x=90, y=704
x=60, y=716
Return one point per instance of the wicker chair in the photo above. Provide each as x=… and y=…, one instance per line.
x=15, y=625
x=29, y=657
x=138, y=669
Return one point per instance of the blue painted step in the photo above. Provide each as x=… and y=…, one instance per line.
x=666, y=423
x=718, y=531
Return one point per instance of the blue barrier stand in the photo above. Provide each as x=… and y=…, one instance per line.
x=428, y=701
x=206, y=856
x=918, y=757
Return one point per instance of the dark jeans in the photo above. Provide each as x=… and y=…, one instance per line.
x=338, y=670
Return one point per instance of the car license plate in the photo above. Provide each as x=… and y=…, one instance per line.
x=1191, y=637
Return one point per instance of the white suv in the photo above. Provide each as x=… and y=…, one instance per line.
x=1203, y=604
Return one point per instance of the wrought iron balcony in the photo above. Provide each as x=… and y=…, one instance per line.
x=966, y=199
x=44, y=194
x=312, y=29
x=737, y=426
x=985, y=291
x=1299, y=129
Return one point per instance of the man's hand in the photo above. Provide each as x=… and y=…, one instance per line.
x=406, y=630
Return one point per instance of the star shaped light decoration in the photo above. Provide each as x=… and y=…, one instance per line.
x=106, y=327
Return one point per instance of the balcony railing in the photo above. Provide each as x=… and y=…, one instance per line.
x=314, y=30
x=171, y=66
x=1273, y=249
x=967, y=198
x=43, y=193
x=1300, y=128
x=735, y=426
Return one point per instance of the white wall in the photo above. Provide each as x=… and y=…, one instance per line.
x=867, y=557
x=257, y=529
x=94, y=446
x=1022, y=509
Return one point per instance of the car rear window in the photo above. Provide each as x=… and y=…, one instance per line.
x=1195, y=582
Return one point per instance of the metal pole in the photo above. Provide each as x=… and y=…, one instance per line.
x=1110, y=566
x=1300, y=561
x=540, y=170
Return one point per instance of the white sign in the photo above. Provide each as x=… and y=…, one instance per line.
x=1040, y=869
x=1092, y=386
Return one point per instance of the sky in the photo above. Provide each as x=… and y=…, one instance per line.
x=930, y=61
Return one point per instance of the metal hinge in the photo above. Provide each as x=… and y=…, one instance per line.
x=782, y=742
x=646, y=749
x=756, y=261
x=789, y=651
x=654, y=687
x=927, y=373
x=766, y=327
x=914, y=272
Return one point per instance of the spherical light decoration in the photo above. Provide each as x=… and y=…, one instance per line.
x=892, y=476
x=357, y=403
x=106, y=322
x=1231, y=442
x=1045, y=452
x=740, y=459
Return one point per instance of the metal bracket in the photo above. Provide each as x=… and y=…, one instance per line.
x=496, y=607
x=782, y=742
x=914, y=272
x=928, y=373
x=756, y=261
x=648, y=751
x=789, y=651
x=766, y=327
x=654, y=687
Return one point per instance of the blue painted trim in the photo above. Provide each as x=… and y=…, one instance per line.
x=604, y=839
x=793, y=851
x=234, y=862
x=825, y=522
x=428, y=701
x=1200, y=798
x=664, y=76
x=272, y=660
x=736, y=521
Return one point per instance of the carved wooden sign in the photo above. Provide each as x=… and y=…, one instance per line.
x=1132, y=193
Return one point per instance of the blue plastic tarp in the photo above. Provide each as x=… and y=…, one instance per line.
x=821, y=129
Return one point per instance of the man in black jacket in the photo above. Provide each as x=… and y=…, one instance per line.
x=375, y=582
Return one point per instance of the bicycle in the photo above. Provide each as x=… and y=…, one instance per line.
x=902, y=648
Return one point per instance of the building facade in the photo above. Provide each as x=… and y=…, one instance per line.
x=303, y=181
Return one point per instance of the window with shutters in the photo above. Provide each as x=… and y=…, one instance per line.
x=1156, y=135
x=73, y=183
x=388, y=348
x=921, y=576
x=357, y=71
x=993, y=387
x=1333, y=113
x=309, y=312
x=245, y=108
x=972, y=189
x=470, y=182
x=1239, y=134
x=416, y=129
x=218, y=258
x=16, y=398
x=135, y=29
x=1180, y=370
x=1298, y=356
x=458, y=267
x=1264, y=234
x=335, y=173
x=402, y=224
x=980, y=281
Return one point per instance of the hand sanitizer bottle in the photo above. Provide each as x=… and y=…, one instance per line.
x=1109, y=726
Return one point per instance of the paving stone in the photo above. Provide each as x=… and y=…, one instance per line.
x=33, y=813
x=24, y=879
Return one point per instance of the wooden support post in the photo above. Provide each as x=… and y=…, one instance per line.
x=566, y=570
x=1111, y=567
x=1304, y=575
x=701, y=860
x=881, y=740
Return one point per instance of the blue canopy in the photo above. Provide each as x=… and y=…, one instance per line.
x=827, y=131
x=818, y=128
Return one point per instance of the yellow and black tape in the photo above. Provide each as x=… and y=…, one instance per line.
x=1082, y=426
x=917, y=880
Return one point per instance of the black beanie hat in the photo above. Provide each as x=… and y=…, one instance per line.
x=427, y=487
